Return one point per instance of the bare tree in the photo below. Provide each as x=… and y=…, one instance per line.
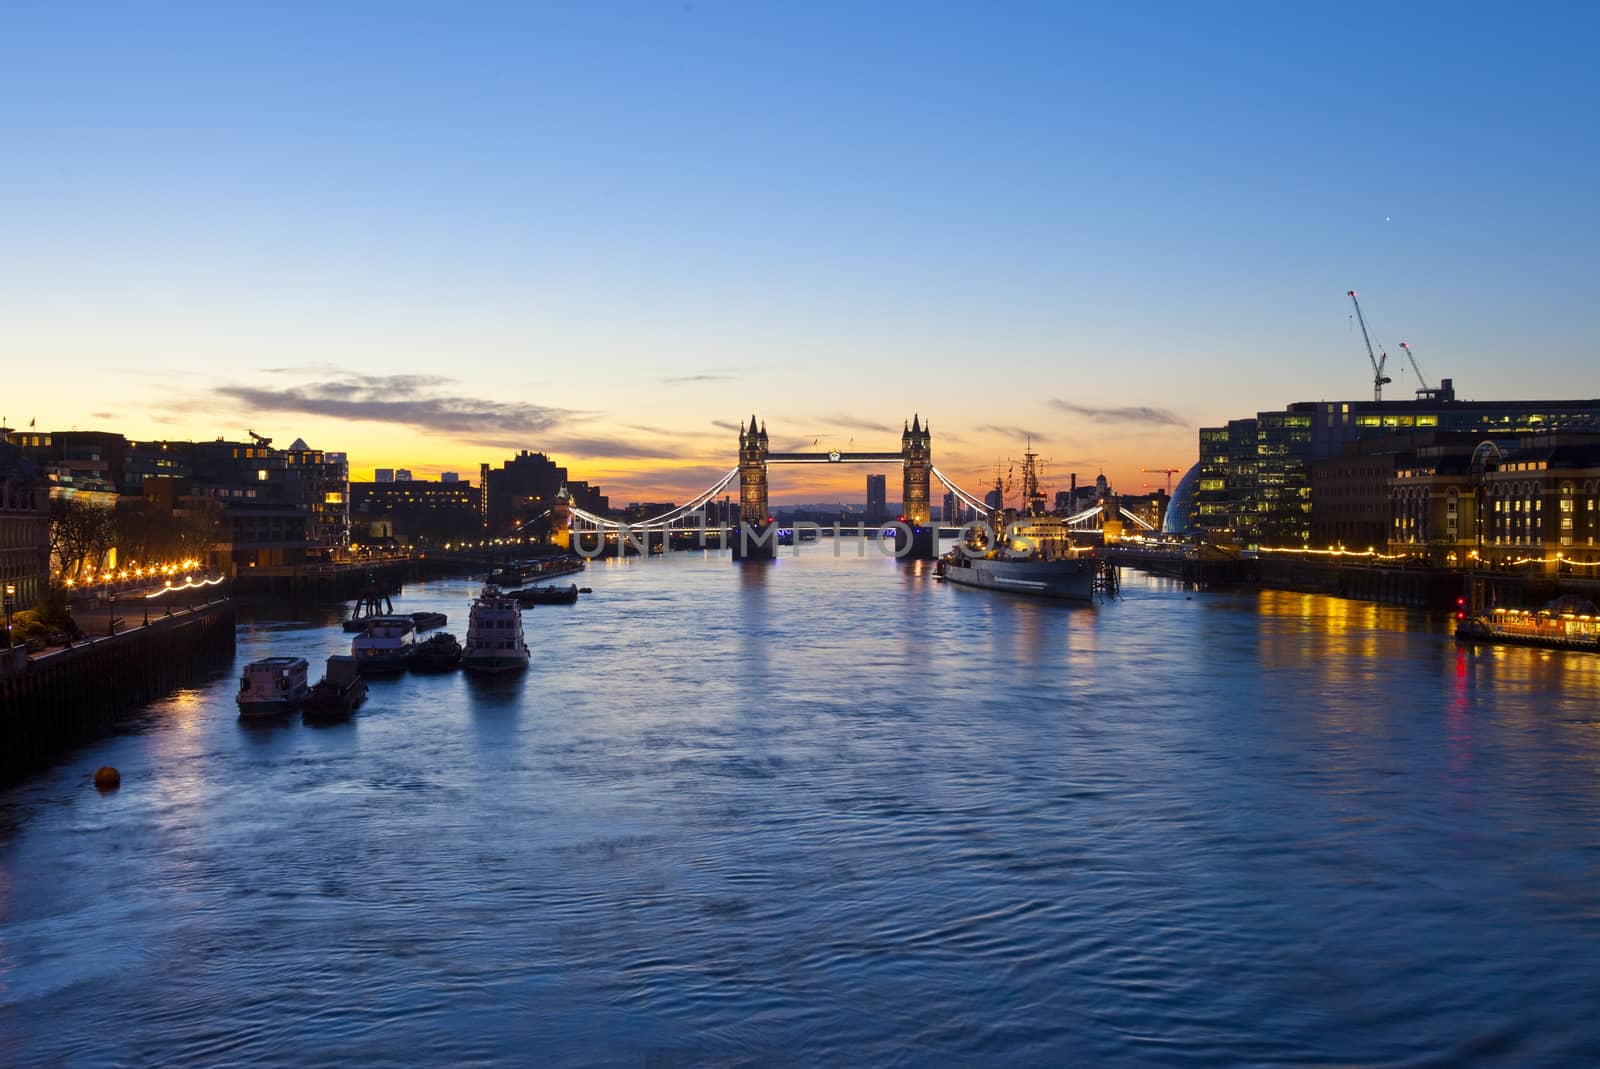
x=81, y=533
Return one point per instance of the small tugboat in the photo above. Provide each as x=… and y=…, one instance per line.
x=547, y=595
x=385, y=645
x=338, y=693
x=427, y=621
x=494, y=634
x=437, y=653
x=272, y=687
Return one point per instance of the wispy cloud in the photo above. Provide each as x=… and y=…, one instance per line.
x=714, y=375
x=856, y=423
x=1155, y=417
x=1013, y=432
x=406, y=400
x=724, y=425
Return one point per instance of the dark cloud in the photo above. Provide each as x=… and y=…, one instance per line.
x=1013, y=432
x=722, y=424
x=407, y=400
x=609, y=448
x=103, y=415
x=1156, y=417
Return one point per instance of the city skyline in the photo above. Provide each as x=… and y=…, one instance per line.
x=609, y=236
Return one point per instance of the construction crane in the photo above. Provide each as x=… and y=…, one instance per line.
x=259, y=439
x=1168, y=472
x=1379, y=379
x=1422, y=383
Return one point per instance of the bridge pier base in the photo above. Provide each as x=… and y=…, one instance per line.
x=755, y=542
x=920, y=543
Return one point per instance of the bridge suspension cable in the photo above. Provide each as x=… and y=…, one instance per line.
x=1139, y=521
x=665, y=519
x=963, y=496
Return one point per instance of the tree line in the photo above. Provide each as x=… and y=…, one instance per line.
x=83, y=533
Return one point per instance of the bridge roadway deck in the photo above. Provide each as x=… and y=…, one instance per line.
x=830, y=458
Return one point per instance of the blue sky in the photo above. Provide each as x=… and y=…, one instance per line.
x=622, y=223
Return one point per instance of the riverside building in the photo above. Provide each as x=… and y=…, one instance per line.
x=1256, y=476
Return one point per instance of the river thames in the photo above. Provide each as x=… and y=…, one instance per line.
x=832, y=810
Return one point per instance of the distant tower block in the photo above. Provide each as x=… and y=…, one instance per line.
x=753, y=509
x=916, y=452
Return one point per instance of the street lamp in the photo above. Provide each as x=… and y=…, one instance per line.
x=11, y=592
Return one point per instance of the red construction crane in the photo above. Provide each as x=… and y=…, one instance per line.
x=1168, y=472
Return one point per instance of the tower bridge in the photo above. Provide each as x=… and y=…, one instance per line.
x=756, y=536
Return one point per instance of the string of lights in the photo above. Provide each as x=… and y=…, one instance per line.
x=188, y=584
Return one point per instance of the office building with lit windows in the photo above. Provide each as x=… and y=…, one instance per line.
x=1256, y=475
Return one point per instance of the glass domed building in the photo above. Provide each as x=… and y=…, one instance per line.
x=1181, y=509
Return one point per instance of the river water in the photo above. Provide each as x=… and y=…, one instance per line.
x=832, y=810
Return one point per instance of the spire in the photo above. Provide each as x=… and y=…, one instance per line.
x=916, y=426
x=752, y=423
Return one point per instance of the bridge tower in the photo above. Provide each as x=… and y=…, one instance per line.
x=753, y=509
x=916, y=453
x=561, y=520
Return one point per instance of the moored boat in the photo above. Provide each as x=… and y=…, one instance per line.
x=547, y=595
x=437, y=653
x=385, y=645
x=1024, y=571
x=272, y=687
x=1032, y=554
x=495, y=640
x=338, y=693
x=1568, y=623
x=427, y=621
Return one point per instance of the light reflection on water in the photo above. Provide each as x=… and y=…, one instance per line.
x=832, y=810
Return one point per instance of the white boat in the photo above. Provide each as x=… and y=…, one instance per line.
x=272, y=687
x=386, y=644
x=495, y=642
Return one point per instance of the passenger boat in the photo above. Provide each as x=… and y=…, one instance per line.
x=495, y=641
x=547, y=595
x=1568, y=623
x=338, y=693
x=386, y=644
x=437, y=653
x=427, y=621
x=272, y=687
